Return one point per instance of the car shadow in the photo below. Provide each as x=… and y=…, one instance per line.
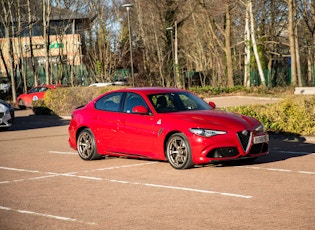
x=25, y=120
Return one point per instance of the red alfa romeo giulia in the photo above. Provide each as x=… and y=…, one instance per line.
x=167, y=124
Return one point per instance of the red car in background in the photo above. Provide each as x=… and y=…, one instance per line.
x=37, y=93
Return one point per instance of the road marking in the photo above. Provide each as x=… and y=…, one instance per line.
x=276, y=169
x=73, y=174
x=66, y=153
x=305, y=172
x=21, y=170
x=279, y=170
x=122, y=166
x=63, y=218
x=198, y=190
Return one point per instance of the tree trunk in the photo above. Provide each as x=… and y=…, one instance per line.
x=253, y=36
x=292, y=42
x=30, y=26
x=7, y=23
x=247, y=48
x=46, y=22
x=229, y=62
x=178, y=80
x=313, y=16
x=20, y=45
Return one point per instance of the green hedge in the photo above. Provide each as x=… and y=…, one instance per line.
x=294, y=114
x=62, y=101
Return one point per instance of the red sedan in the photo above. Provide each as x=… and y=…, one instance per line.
x=166, y=124
x=34, y=94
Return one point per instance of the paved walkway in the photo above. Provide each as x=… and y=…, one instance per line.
x=228, y=101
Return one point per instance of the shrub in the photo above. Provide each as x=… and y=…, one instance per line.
x=63, y=101
x=293, y=114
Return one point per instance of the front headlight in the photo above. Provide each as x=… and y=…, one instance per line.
x=260, y=128
x=206, y=132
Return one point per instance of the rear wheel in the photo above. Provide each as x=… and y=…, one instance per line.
x=86, y=145
x=178, y=152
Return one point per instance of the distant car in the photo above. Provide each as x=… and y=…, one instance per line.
x=166, y=124
x=6, y=114
x=5, y=85
x=37, y=93
x=101, y=84
x=120, y=83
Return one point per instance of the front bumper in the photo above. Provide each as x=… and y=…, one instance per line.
x=229, y=147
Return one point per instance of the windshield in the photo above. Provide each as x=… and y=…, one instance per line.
x=176, y=102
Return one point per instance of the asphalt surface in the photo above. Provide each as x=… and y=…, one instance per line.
x=45, y=185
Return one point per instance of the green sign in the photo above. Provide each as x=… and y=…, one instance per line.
x=56, y=45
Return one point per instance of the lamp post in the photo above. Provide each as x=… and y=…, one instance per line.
x=128, y=6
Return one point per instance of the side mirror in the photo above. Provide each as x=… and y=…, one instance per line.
x=212, y=104
x=140, y=109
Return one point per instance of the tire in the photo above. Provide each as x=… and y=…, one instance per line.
x=86, y=146
x=178, y=152
x=22, y=105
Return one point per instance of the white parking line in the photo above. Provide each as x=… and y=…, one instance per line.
x=63, y=218
x=21, y=170
x=66, y=153
x=72, y=174
x=198, y=190
x=276, y=169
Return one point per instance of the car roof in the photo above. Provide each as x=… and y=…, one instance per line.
x=48, y=86
x=151, y=90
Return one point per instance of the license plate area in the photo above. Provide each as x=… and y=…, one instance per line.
x=261, y=139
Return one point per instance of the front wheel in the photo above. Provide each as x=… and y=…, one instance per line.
x=178, y=152
x=86, y=145
x=22, y=104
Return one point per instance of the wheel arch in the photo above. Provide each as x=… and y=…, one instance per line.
x=167, y=136
x=79, y=131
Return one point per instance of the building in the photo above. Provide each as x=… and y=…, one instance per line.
x=66, y=41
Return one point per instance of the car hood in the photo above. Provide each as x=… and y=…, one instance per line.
x=216, y=119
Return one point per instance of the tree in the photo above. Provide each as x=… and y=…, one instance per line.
x=6, y=19
x=46, y=22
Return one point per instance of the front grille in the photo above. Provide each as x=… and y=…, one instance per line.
x=223, y=152
x=244, y=137
x=1, y=115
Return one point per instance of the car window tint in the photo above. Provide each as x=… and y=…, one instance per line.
x=164, y=103
x=34, y=90
x=109, y=102
x=133, y=100
x=42, y=89
x=174, y=102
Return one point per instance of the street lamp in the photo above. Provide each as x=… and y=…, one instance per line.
x=128, y=6
x=173, y=60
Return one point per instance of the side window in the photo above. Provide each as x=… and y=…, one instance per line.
x=133, y=100
x=34, y=90
x=43, y=89
x=109, y=102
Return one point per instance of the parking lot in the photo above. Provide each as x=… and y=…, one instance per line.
x=45, y=185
